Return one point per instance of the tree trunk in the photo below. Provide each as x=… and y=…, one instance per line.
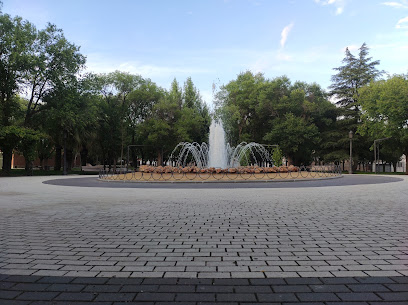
x=159, y=157
x=28, y=167
x=58, y=152
x=84, y=155
x=354, y=166
x=7, y=157
x=406, y=162
x=70, y=156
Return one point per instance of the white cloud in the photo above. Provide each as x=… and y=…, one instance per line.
x=283, y=56
x=285, y=33
x=339, y=4
x=99, y=64
x=401, y=4
x=402, y=23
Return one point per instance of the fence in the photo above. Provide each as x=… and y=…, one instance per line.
x=194, y=174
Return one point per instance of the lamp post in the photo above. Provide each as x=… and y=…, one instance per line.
x=377, y=151
x=65, y=164
x=351, y=152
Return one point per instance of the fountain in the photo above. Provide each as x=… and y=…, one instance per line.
x=218, y=154
x=218, y=161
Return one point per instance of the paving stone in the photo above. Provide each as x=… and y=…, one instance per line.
x=330, y=288
x=156, y=297
x=37, y=296
x=7, y=294
x=376, y=280
x=277, y=297
x=394, y=296
x=303, y=281
x=195, y=297
x=237, y=282
x=123, y=297
x=90, y=280
x=215, y=236
x=358, y=296
x=291, y=288
x=368, y=287
x=254, y=289
x=18, y=302
x=270, y=281
x=339, y=280
x=30, y=287
x=317, y=296
x=56, y=280
x=236, y=297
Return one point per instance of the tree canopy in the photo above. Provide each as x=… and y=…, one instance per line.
x=276, y=112
x=385, y=112
x=48, y=104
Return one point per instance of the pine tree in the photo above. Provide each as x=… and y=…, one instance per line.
x=356, y=72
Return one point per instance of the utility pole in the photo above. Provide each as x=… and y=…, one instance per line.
x=351, y=152
x=64, y=172
x=377, y=151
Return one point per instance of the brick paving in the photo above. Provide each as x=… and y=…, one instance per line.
x=20, y=289
x=317, y=245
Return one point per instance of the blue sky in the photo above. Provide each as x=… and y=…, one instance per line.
x=214, y=40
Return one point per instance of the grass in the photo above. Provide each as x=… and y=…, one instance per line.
x=38, y=172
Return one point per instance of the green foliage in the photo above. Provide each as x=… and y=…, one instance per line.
x=245, y=158
x=276, y=112
x=296, y=137
x=102, y=114
x=356, y=72
x=37, y=62
x=385, y=114
x=277, y=156
x=179, y=116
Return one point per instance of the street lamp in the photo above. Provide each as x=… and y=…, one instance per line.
x=351, y=152
x=377, y=150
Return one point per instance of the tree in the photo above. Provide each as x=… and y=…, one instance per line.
x=158, y=131
x=16, y=39
x=175, y=95
x=276, y=112
x=385, y=111
x=68, y=115
x=237, y=102
x=195, y=117
x=177, y=117
x=296, y=137
x=122, y=107
x=277, y=156
x=32, y=63
x=54, y=62
x=356, y=72
x=141, y=103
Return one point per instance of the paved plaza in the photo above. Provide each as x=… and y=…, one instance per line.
x=343, y=241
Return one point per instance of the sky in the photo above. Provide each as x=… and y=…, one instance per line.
x=212, y=41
